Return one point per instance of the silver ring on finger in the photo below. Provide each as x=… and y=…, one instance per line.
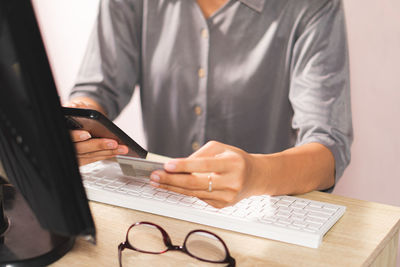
x=210, y=182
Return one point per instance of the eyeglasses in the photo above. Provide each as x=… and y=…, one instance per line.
x=150, y=238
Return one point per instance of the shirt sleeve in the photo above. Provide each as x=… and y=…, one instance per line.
x=110, y=67
x=319, y=90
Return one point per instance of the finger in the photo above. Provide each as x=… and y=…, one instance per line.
x=199, y=165
x=210, y=149
x=194, y=193
x=219, y=204
x=104, y=153
x=77, y=104
x=217, y=199
x=85, y=161
x=80, y=135
x=193, y=181
x=95, y=144
x=71, y=105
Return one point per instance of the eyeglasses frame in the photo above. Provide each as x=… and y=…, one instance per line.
x=170, y=247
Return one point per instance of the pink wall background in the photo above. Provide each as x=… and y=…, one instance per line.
x=66, y=25
x=374, y=43
x=374, y=40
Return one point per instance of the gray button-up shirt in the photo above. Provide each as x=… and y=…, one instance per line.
x=262, y=75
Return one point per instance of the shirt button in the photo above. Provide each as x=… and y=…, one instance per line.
x=198, y=110
x=204, y=33
x=201, y=73
x=195, y=146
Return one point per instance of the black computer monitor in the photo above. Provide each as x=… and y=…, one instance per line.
x=36, y=150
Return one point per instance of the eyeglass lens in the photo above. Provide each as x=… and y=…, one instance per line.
x=146, y=237
x=205, y=246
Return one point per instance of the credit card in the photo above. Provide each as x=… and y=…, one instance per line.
x=138, y=167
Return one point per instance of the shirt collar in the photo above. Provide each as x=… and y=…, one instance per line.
x=257, y=5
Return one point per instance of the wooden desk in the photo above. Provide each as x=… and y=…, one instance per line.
x=367, y=235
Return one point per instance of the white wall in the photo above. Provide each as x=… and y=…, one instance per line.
x=374, y=42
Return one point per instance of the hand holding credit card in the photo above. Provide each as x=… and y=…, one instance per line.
x=138, y=167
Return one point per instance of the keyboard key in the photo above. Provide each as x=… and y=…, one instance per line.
x=313, y=226
x=228, y=210
x=329, y=208
x=109, y=188
x=273, y=200
x=133, y=187
x=288, y=199
x=161, y=195
x=173, y=193
x=119, y=183
x=189, y=200
x=200, y=203
x=308, y=208
x=283, y=214
x=302, y=201
x=299, y=212
x=87, y=183
x=254, y=215
x=89, y=179
x=106, y=173
x=294, y=227
x=327, y=211
x=123, y=180
x=269, y=210
x=297, y=218
x=161, y=190
x=133, y=193
x=282, y=204
x=251, y=209
x=265, y=221
x=285, y=221
x=122, y=190
x=276, y=199
x=316, y=205
x=280, y=224
x=299, y=205
x=149, y=190
x=137, y=183
x=183, y=204
x=149, y=194
x=318, y=215
x=300, y=224
x=241, y=205
x=286, y=209
x=101, y=182
x=174, y=199
x=114, y=185
x=211, y=208
x=240, y=213
x=315, y=220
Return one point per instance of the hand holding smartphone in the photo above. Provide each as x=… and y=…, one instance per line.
x=133, y=163
x=99, y=126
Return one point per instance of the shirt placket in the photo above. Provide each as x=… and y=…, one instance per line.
x=200, y=108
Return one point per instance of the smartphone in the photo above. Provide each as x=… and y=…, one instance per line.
x=99, y=126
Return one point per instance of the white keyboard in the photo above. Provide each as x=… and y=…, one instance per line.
x=289, y=219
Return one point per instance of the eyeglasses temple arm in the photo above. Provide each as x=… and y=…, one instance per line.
x=121, y=247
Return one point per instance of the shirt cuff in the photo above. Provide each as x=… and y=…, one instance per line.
x=342, y=159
